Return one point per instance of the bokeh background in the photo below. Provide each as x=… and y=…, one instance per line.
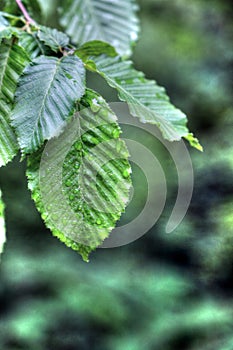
x=162, y=292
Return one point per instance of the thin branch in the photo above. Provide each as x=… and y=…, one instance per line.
x=24, y=12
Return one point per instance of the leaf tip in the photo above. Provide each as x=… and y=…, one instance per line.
x=194, y=142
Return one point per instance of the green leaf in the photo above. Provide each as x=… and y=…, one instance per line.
x=33, y=184
x=13, y=60
x=45, y=99
x=32, y=45
x=147, y=101
x=53, y=38
x=84, y=206
x=2, y=225
x=95, y=48
x=8, y=33
x=114, y=22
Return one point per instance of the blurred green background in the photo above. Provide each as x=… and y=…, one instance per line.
x=162, y=292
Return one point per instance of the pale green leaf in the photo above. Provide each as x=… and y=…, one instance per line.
x=45, y=99
x=147, y=101
x=2, y=225
x=84, y=207
x=53, y=38
x=114, y=22
x=13, y=60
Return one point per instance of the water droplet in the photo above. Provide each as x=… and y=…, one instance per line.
x=126, y=173
x=68, y=183
x=95, y=107
x=99, y=222
x=133, y=36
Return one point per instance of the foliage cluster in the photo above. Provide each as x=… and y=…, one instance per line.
x=43, y=85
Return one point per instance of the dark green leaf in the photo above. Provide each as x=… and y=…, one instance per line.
x=45, y=99
x=53, y=38
x=13, y=59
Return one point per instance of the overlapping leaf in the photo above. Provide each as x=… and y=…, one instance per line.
x=53, y=38
x=13, y=60
x=32, y=45
x=8, y=33
x=45, y=99
x=147, y=101
x=82, y=206
x=112, y=21
x=2, y=225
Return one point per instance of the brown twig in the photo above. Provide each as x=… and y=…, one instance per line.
x=25, y=13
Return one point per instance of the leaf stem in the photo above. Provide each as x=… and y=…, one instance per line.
x=24, y=12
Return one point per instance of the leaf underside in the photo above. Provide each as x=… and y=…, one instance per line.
x=45, y=99
x=95, y=184
x=13, y=60
x=113, y=22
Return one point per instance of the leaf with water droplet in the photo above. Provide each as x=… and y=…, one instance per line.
x=95, y=178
